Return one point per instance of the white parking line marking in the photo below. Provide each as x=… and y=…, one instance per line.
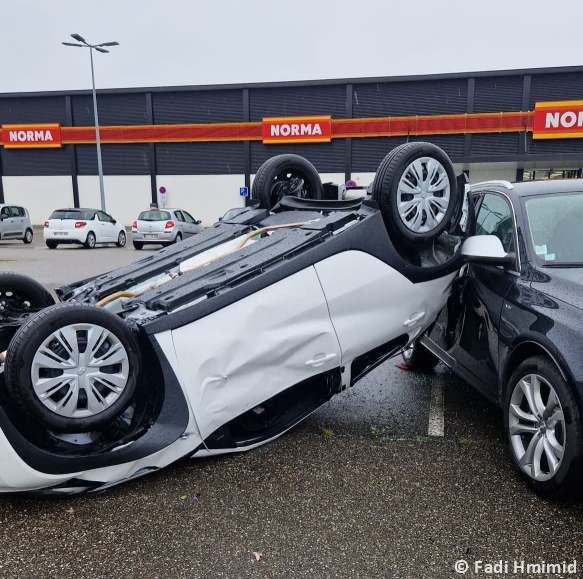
x=436, y=419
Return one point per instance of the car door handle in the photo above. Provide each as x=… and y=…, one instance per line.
x=414, y=319
x=320, y=359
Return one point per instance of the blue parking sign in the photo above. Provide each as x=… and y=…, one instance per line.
x=244, y=191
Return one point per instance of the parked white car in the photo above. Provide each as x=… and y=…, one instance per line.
x=86, y=227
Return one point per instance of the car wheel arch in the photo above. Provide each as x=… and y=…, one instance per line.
x=528, y=348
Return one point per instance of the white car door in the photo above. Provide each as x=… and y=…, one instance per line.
x=238, y=357
x=370, y=302
x=107, y=231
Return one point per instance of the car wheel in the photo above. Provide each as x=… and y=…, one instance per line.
x=416, y=189
x=28, y=235
x=19, y=293
x=138, y=245
x=178, y=238
x=543, y=425
x=52, y=244
x=285, y=175
x=90, y=241
x=121, y=239
x=418, y=358
x=73, y=367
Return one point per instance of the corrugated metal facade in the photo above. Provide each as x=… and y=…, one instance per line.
x=439, y=97
x=359, y=98
x=200, y=158
x=125, y=159
x=216, y=106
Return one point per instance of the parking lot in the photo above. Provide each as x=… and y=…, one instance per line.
x=360, y=489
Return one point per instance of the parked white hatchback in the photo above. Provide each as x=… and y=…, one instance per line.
x=86, y=227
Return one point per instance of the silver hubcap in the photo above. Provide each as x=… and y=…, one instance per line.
x=423, y=195
x=80, y=370
x=28, y=236
x=408, y=353
x=122, y=239
x=537, y=427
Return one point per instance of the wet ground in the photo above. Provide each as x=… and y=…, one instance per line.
x=359, y=490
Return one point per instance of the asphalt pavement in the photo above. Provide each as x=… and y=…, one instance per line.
x=358, y=490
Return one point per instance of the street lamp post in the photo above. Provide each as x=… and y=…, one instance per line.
x=82, y=43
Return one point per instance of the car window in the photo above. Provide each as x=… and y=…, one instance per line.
x=189, y=218
x=104, y=217
x=72, y=214
x=154, y=215
x=14, y=212
x=554, y=223
x=179, y=216
x=233, y=213
x=5, y=211
x=495, y=218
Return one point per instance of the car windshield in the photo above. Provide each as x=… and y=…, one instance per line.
x=233, y=213
x=72, y=214
x=154, y=216
x=555, y=229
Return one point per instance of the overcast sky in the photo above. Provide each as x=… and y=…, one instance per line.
x=180, y=42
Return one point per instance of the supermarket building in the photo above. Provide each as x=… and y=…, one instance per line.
x=201, y=144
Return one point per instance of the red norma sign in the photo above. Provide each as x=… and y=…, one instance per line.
x=297, y=130
x=558, y=120
x=31, y=136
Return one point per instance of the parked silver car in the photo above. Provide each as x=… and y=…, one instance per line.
x=163, y=227
x=15, y=223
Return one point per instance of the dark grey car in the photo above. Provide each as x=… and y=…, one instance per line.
x=15, y=223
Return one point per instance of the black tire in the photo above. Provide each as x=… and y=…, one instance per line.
x=90, y=241
x=569, y=475
x=385, y=193
x=25, y=291
x=121, y=239
x=178, y=238
x=52, y=244
x=279, y=176
x=19, y=292
x=138, y=245
x=28, y=236
x=418, y=358
x=30, y=338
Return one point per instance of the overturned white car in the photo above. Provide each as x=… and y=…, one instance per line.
x=224, y=342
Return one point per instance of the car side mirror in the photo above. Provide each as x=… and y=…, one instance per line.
x=3, y=217
x=220, y=218
x=199, y=222
x=114, y=221
x=486, y=250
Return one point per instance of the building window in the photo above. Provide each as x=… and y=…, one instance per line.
x=542, y=174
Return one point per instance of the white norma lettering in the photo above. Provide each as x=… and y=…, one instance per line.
x=30, y=136
x=566, y=120
x=296, y=130
x=552, y=121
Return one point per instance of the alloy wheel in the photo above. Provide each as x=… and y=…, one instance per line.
x=80, y=370
x=423, y=195
x=537, y=427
